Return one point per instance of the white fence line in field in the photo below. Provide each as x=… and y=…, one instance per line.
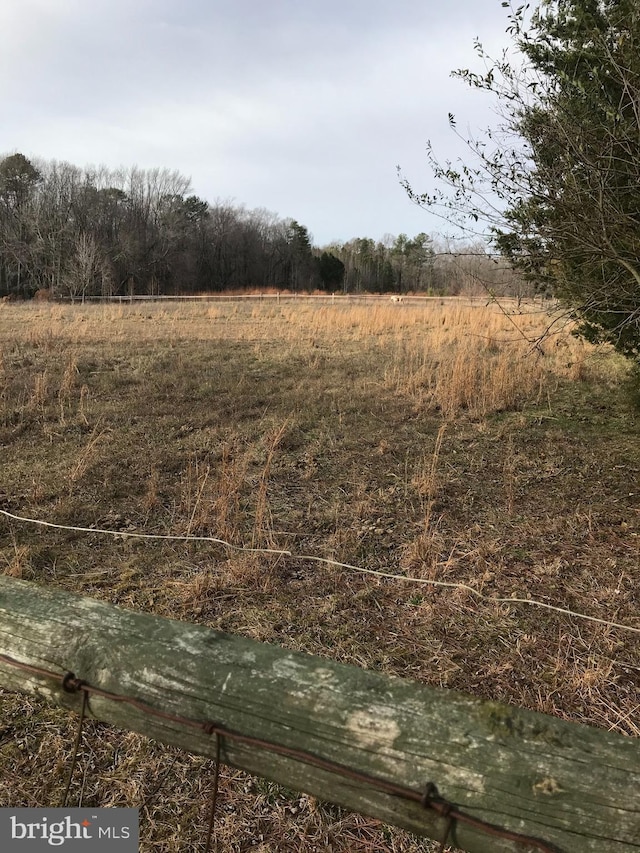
x=320, y=297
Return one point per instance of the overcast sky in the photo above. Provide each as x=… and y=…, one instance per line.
x=298, y=106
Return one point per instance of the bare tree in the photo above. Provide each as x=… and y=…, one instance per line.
x=87, y=271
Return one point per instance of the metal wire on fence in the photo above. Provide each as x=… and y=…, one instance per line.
x=428, y=798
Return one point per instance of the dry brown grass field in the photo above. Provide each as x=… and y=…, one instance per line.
x=433, y=441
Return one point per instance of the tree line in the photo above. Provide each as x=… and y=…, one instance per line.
x=425, y=264
x=84, y=232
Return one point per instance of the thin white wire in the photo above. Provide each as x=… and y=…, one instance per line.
x=125, y=533
x=334, y=563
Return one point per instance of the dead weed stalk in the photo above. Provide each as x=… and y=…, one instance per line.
x=88, y=454
x=262, y=535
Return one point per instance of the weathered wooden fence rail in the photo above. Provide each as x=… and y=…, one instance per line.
x=572, y=786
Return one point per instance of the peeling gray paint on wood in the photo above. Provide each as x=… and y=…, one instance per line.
x=568, y=784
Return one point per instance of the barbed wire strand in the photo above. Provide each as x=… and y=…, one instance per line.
x=214, y=799
x=429, y=798
x=74, y=754
x=532, y=602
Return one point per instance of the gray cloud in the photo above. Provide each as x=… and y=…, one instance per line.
x=303, y=108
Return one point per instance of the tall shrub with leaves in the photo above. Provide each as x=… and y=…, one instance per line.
x=556, y=185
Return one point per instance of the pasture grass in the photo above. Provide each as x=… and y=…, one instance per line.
x=440, y=441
